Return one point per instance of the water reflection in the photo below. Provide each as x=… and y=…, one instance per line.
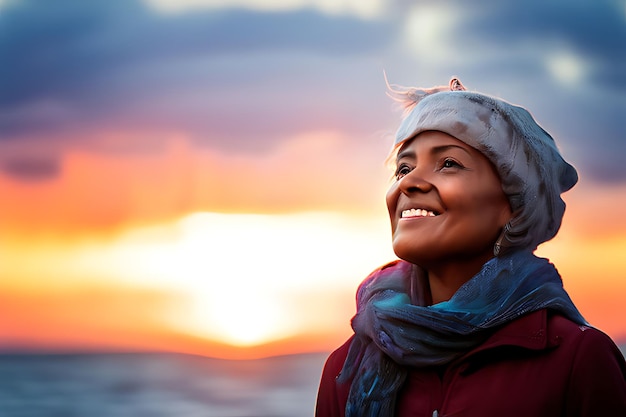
x=116, y=385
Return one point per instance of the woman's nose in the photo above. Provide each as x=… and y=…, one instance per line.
x=414, y=182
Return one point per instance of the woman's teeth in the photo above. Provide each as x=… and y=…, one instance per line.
x=417, y=213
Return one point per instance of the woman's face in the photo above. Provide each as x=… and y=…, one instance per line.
x=447, y=202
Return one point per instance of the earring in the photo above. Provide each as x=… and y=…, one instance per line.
x=497, y=247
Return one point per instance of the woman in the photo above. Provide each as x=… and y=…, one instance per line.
x=469, y=322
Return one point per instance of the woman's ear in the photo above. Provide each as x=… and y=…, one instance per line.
x=507, y=215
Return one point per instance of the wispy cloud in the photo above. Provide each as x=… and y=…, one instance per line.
x=223, y=76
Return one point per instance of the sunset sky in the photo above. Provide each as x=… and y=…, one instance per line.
x=208, y=176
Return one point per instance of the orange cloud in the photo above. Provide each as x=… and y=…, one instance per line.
x=100, y=192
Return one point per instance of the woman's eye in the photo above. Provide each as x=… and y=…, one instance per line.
x=402, y=171
x=450, y=163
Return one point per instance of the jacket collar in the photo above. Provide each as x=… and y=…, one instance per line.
x=530, y=332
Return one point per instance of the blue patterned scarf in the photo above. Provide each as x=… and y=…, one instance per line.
x=395, y=328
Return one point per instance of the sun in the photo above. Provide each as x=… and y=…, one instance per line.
x=242, y=270
x=238, y=319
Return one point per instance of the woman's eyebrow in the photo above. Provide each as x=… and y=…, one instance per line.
x=443, y=148
x=406, y=153
x=409, y=153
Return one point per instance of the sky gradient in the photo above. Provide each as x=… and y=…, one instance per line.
x=208, y=176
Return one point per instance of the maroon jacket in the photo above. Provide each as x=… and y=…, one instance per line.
x=538, y=365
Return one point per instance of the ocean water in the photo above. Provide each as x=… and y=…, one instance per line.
x=146, y=384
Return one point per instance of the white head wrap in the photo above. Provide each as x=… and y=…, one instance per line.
x=532, y=171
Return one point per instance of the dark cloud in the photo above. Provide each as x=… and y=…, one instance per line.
x=245, y=81
x=97, y=59
x=31, y=169
x=597, y=132
x=596, y=30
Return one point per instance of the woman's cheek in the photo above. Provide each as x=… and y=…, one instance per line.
x=392, y=203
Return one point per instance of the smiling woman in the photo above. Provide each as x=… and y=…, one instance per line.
x=470, y=321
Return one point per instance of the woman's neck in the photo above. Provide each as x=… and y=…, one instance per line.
x=447, y=278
